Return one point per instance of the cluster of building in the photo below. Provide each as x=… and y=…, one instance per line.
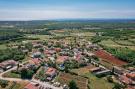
x=7, y=65
x=59, y=53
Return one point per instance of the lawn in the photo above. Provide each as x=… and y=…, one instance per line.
x=3, y=46
x=82, y=71
x=98, y=83
x=12, y=75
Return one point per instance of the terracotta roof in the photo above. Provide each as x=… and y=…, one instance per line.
x=3, y=64
x=125, y=79
x=131, y=87
x=49, y=51
x=78, y=56
x=50, y=71
x=62, y=59
x=131, y=75
x=57, y=49
x=31, y=86
x=35, y=61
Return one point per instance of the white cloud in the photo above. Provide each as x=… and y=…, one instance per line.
x=30, y=14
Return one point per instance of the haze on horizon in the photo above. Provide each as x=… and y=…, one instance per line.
x=69, y=9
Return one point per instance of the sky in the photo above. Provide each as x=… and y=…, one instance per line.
x=66, y=9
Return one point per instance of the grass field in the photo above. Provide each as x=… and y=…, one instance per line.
x=124, y=42
x=93, y=80
x=65, y=78
x=82, y=71
x=3, y=46
x=20, y=85
x=83, y=34
x=110, y=43
x=12, y=75
x=98, y=83
x=41, y=37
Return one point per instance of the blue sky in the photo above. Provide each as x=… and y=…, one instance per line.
x=59, y=9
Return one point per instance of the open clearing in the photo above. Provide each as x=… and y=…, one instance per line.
x=98, y=83
x=41, y=37
x=3, y=46
x=93, y=80
x=112, y=44
x=65, y=78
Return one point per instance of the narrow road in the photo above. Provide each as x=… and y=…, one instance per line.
x=46, y=84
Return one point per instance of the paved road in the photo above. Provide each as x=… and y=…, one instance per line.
x=46, y=84
x=10, y=79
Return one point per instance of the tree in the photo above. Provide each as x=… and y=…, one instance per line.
x=41, y=50
x=109, y=78
x=118, y=86
x=73, y=85
x=18, y=65
x=29, y=46
x=3, y=83
x=25, y=73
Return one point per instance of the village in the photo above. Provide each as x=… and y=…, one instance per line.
x=54, y=64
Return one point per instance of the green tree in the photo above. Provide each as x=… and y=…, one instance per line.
x=110, y=79
x=29, y=46
x=25, y=73
x=118, y=86
x=73, y=85
x=3, y=83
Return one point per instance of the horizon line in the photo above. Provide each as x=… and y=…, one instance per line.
x=62, y=19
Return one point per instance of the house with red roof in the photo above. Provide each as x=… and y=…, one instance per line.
x=124, y=79
x=50, y=73
x=131, y=76
x=57, y=49
x=31, y=86
x=7, y=64
x=62, y=59
x=35, y=61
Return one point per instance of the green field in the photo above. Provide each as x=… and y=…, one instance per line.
x=3, y=46
x=41, y=37
x=12, y=75
x=93, y=80
x=109, y=43
x=125, y=42
x=98, y=83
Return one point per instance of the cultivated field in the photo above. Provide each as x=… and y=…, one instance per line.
x=108, y=57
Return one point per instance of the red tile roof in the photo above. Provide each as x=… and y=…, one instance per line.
x=51, y=71
x=57, y=49
x=125, y=79
x=78, y=56
x=31, y=86
x=62, y=59
x=131, y=75
x=35, y=61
